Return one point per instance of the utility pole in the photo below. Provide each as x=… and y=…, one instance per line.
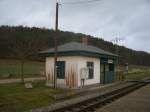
x=116, y=41
x=55, y=42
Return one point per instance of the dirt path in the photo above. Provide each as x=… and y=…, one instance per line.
x=4, y=81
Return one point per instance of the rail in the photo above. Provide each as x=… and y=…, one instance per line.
x=91, y=105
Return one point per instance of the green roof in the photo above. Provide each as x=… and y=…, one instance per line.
x=75, y=48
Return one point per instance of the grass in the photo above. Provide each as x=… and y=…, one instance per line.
x=15, y=98
x=11, y=68
x=138, y=75
x=135, y=72
x=133, y=68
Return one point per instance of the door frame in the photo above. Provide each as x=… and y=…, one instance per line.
x=102, y=73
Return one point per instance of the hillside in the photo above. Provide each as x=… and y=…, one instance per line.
x=23, y=42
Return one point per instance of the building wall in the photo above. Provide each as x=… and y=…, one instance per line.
x=71, y=70
x=82, y=63
x=73, y=64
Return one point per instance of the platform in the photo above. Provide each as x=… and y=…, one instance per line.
x=137, y=101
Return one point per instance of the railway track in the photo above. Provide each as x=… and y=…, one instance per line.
x=91, y=105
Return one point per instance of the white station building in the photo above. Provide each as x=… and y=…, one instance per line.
x=77, y=61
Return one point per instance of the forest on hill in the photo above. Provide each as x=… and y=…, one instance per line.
x=24, y=42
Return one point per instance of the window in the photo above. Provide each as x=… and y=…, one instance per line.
x=90, y=66
x=60, y=69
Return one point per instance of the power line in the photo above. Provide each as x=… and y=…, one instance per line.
x=79, y=2
x=118, y=40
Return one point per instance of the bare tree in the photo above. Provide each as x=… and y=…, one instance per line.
x=23, y=48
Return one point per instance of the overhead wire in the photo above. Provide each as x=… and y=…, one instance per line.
x=79, y=2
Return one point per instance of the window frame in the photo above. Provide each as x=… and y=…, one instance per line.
x=90, y=66
x=60, y=72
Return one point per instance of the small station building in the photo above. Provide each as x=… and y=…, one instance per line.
x=74, y=57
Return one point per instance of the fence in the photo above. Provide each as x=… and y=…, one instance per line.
x=121, y=75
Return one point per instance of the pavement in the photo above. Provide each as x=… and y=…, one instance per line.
x=4, y=81
x=137, y=101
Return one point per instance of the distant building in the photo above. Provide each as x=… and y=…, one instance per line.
x=73, y=57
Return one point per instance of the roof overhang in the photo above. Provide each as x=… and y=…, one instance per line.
x=79, y=53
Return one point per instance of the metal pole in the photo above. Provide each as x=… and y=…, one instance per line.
x=55, y=42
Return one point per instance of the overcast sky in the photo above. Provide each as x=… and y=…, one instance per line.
x=108, y=19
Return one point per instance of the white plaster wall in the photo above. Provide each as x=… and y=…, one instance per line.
x=70, y=64
x=49, y=66
x=82, y=63
x=75, y=62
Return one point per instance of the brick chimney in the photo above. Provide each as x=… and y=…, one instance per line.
x=85, y=40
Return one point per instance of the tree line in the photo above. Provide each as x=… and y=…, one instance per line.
x=18, y=42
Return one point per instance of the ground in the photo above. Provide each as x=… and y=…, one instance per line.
x=11, y=68
x=135, y=72
x=15, y=98
x=138, y=75
x=137, y=101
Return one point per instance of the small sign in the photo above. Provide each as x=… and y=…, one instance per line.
x=84, y=72
x=110, y=61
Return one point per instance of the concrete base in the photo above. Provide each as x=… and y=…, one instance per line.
x=49, y=84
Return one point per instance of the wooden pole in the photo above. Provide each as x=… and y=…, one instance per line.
x=55, y=42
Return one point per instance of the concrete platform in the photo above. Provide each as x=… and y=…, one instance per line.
x=138, y=101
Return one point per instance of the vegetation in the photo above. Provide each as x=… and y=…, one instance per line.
x=12, y=69
x=15, y=98
x=133, y=74
x=138, y=75
x=42, y=39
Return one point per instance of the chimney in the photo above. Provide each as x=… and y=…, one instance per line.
x=85, y=40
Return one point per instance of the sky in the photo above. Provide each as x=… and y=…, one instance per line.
x=107, y=19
